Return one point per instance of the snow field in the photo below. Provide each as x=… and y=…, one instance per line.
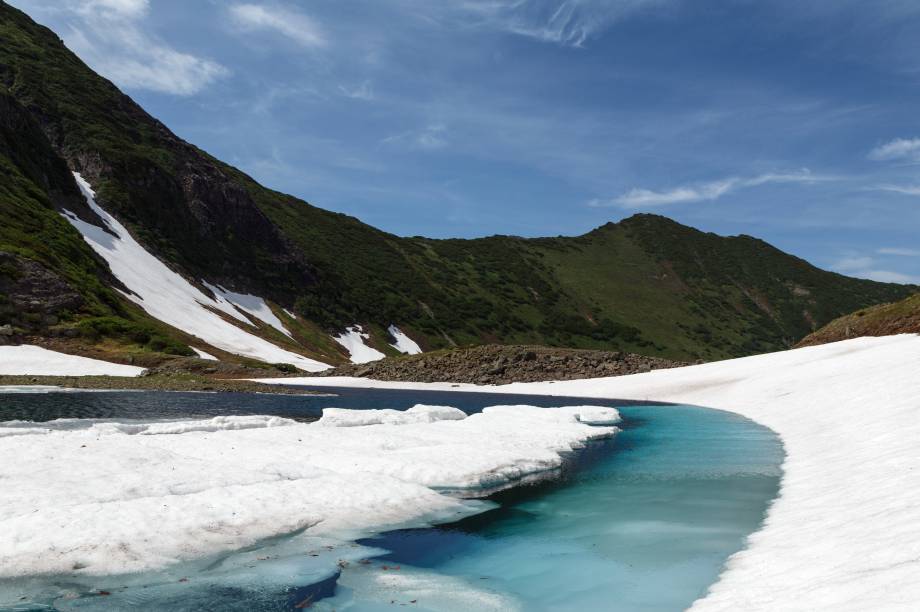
x=170, y=298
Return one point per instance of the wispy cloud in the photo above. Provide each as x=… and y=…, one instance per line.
x=867, y=267
x=294, y=25
x=363, y=91
x=899, y=252
x=120, y=8
x=110, y=36
x=429, y=138
x=564, y=22
x=911, y=190
x=701, y=192
x=899, y=149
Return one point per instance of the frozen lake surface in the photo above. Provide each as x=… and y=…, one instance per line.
x=643, y=521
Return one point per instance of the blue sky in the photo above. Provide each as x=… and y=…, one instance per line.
x=792, y=121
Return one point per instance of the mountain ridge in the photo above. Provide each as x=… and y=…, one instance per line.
x=645, y=284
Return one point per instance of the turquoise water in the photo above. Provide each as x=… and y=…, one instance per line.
x=642, y=522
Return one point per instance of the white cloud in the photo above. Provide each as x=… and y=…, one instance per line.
x=899, y=252
x=713, y=190
x=294, y=25
x=898, y=149
x=110, y=37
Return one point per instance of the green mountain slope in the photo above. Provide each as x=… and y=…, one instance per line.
x=647, y=284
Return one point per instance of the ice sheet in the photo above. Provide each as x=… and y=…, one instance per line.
x=87, y=497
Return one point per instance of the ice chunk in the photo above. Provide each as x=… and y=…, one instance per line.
x=341, y=417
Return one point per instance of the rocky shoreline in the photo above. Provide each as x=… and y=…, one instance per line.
x=497, y=365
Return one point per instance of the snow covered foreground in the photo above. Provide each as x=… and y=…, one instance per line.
x=844, y=533
x=88, y=497
x=34, y=360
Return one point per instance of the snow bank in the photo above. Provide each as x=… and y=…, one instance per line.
x=342, y=417
x=107, y=427
x=404, y=344
x=844, y=533
x=27, y=359
x=85, y=497
x=170, y=298
x=353, y=340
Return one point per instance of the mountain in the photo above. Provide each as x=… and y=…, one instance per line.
x=901, y=317
x=173, y=251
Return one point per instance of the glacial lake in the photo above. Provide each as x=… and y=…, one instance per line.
x=644, y=521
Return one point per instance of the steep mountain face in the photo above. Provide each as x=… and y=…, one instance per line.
x=647, y=284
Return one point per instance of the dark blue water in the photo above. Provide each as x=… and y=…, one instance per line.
x=175, y=405
x=642, y=522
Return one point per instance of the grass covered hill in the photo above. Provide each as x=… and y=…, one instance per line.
x=646, y=285
x=901, y=317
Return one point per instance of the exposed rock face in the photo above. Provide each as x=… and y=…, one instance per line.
x=496, y=365
x=34, y=296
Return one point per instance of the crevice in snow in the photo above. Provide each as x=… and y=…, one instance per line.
x=169, y=297
x=353, y=340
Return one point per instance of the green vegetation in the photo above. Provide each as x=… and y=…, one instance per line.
x=645, y=285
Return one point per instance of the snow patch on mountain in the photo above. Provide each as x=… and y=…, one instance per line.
x=250, y=304
x=353, y=340
x=169, y=297
x=203, y=355
x=404, y=344
x=35, y=360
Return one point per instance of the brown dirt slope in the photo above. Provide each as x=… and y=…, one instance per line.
x=884, y=320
